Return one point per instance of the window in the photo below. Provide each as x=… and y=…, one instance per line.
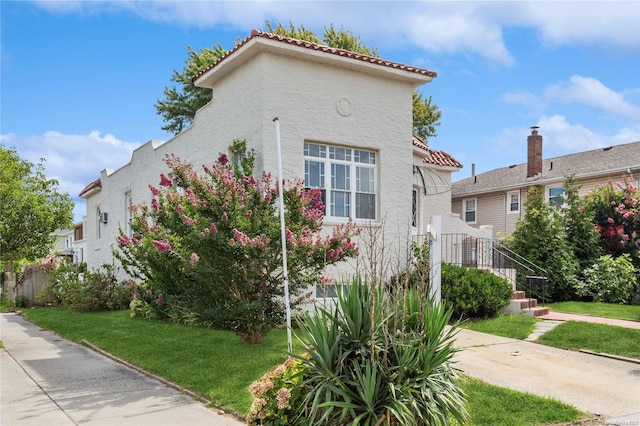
x=98, y=222
x=555, y=195
x=414, y=209
x=470, y=210
x=349, y=190
x=513, y=202
x=328, y=291
x=128, y=215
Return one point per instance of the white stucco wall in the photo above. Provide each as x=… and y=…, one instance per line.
x=330, y=102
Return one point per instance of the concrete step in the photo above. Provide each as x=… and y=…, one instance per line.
x=537, y=311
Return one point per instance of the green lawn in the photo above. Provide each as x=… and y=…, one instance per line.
x=594, y=337
x=492, y=405
x=218, y=366
x=608, y=310
x=513, y=326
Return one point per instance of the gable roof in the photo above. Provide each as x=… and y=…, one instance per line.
x=437, y=158
x=597, y=162
x=284, y=41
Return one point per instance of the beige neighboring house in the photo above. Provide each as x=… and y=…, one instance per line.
x=497, y=197
x=345, y=125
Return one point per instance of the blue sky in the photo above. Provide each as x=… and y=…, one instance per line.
x=79, y=80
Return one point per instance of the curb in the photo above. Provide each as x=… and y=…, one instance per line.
x=611, y=356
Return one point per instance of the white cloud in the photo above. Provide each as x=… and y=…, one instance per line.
x=610, y=23
x=524, y=97
x=592, y=92
x=562, y=137
x=435, y=27
x=74, y=160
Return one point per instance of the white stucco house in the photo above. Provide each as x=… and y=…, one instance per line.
x=345, y=124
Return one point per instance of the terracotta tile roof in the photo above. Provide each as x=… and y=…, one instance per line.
x=320, y=48
x=438, y=158
x=96, y=184
x=603, y=161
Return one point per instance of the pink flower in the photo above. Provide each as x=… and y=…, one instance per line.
x=165, y=181
x=223, y=159
x=618, y=185
x=124, y=240
x=154, y=190
x=179, y=208
x=225, y=216
x=610, y=220
x=187, y=220
x=155, y=205
x=161, y=246
x=194, y=258
x=214, y=229
x=160, y=299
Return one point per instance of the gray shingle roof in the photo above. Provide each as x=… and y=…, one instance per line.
x=596, y=162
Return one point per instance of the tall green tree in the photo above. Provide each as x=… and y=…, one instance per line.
x=183, y=99
x=540, y=237
x=579, y=224
x=31, y=208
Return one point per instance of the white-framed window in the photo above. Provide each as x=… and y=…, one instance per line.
x=555, y=195
x=128, y=214
x=513, y=202
x=347, y=178
x=329, y=291
x=470, y=206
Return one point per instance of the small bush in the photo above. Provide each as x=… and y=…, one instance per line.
x=5, y=303
x=22, y=302
x=97, y=290
x=610, y=280
x=474, y=293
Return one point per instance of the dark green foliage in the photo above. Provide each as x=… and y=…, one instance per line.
x=540, y=237
x=579, y=224
x=609, y=280
x=88, y=291
x=375, y=358
x=472, y=293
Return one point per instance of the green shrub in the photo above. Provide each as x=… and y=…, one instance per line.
x=610, y=280
x=5, y=303
x=97, y=290
x=22, y=302
x=474, y=293
x=374, y=358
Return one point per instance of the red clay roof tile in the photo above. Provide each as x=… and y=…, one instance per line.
x=321, y=48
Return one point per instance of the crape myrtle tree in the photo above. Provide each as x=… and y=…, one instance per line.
x=617, y=217
x=182, y=100
x=209, y=244
x=31, y=209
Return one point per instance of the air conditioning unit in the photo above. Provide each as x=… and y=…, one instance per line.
x=104, y=217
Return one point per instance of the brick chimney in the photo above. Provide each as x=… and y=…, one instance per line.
x=534, y=154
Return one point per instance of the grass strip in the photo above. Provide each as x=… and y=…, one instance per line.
x=606, y=310
x=492, y=405
x=601, y=338
x=512, y=326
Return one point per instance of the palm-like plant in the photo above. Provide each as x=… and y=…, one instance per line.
x=379, y=358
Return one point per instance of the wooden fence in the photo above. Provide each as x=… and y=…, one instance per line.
x=29, y=283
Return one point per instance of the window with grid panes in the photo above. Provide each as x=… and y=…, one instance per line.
x=347, y=178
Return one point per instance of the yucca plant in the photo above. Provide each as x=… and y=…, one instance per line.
x=379, y=358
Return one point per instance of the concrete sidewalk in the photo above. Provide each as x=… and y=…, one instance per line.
x=562, y=316
x=47, y=380
x=591, y=383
